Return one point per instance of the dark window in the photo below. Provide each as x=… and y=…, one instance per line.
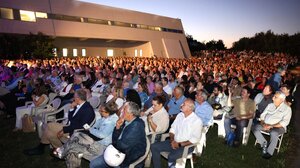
x=97, y=21
x=65, y=17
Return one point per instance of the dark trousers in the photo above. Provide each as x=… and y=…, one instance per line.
x=240, y=124
x=165, y=146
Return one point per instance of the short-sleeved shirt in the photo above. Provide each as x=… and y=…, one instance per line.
x=187, y=128
x=242, y=108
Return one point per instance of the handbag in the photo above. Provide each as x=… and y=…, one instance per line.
x=27, y=123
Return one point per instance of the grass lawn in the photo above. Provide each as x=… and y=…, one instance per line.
x=216, y=154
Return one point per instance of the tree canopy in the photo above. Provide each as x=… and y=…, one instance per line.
x=270, y=42
x=196, y=46
x=14, y=46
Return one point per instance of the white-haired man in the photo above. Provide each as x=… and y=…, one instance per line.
x=275, y=119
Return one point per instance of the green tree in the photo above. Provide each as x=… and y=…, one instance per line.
x=270, y=42
x=39, y=46
x=13, y=46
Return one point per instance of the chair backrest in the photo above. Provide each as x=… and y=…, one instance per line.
x=94, y=101
x=56, y=103
x=52, y=96
x=142, y=158
x=66, y=109
x=45, y=101
x=202, y=143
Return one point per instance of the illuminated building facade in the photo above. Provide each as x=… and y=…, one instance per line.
x=86, y=29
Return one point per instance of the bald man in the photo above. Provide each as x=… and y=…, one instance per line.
x=182, y=133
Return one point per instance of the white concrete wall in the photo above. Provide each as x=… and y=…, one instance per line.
x=58, y=28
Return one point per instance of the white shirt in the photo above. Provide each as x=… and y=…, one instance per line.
x=159, y=118
x=97, y=86
x=64, y=91
x=119, y=101
x=187, y=128
x=272, y=115
x=168, y=89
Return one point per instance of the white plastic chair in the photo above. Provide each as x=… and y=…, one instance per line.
x=142, y=158
x=52, y=106
x=94, y=101
x=50, y=116
x=180, y=163
x=221, y=128
x=246, y=132
x=91, y=124
x=199, y=148
x=279, y=138
x=52, y=96
x=152, y=140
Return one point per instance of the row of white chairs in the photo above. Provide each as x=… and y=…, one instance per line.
x=246, y=132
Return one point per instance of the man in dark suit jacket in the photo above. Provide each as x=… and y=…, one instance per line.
x=128, y=137
x=55, y=133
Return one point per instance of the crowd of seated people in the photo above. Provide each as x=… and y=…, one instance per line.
x=240, y=84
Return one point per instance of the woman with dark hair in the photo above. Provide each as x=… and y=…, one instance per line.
x=133, y=96
x=143, y=92
x=39, y=97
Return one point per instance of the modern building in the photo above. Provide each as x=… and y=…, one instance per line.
x=86, y=29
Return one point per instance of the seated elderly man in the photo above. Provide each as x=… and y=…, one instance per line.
x=128, y=137
x=185, y=130
x=203, y=108
x=175, y=102
x=275, y=119
x=81, y=113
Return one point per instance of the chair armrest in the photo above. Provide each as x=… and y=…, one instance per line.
x=164, y=136
x=186, y=149
x=77, y=130
x=47, y=114
x=142, y=158
x=153, y=136
x=35, y=109
x=60, y=119
x=28, y=103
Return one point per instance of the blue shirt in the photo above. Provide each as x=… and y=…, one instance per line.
x=143, y=96
x=174, y=105
x=148, y=103
x=276, y=81
x=14, y=84
x=76, y=87
x=205, y=112
x=103, y=129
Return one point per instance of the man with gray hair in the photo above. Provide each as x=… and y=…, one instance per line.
x=275, y=119
x=203, y=108
x=128, y=137
x=158, y=91
x=81, y=113
x=185, y=130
